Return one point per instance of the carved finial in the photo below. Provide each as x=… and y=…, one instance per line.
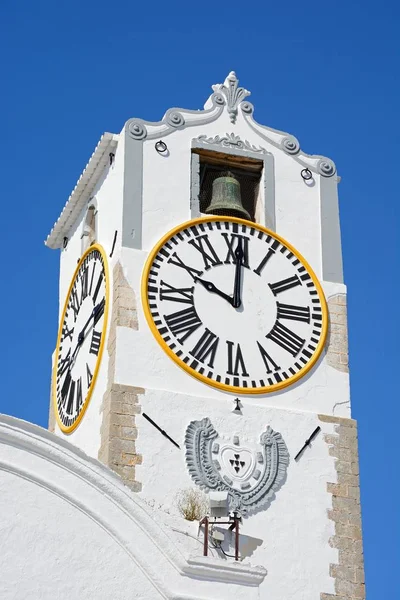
x=231, y=77
x=233, y=93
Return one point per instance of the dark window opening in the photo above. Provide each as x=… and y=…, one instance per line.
x=246, y=171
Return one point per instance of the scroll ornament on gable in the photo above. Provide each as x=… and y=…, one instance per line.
x=250, y=477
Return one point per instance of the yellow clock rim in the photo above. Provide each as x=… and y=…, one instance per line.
x=74, y=425
x=230, y=388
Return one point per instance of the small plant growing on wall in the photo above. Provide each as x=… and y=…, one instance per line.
x=192, y=504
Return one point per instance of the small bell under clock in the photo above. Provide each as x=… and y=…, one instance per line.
x=226, y=199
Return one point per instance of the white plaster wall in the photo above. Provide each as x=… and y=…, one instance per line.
x=71, y=530
x=297, y=210
x=52, y=550
x=291, y=538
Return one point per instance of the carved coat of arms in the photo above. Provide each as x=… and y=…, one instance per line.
x=250, y=477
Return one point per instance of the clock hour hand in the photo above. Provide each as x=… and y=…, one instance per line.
x=307, y=442
x=95, y=314
x=237, y=300
x=210, y=287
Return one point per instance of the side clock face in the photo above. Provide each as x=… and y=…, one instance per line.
x=234, y=304
x=81, y=338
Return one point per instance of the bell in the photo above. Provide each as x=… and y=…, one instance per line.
x=226, y=199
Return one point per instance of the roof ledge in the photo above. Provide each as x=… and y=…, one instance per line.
x=83, y=189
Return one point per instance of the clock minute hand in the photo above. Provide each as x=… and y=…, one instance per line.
x=93, y=315
x=210, y=287
x=237, y=300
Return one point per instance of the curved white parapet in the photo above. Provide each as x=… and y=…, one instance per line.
x=71, y=529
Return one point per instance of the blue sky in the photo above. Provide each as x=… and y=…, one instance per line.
x=325, y=72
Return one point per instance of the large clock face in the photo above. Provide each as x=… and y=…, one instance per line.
x=81, y=338
x=234, y=304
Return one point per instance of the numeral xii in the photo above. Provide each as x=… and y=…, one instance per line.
x=232, y=240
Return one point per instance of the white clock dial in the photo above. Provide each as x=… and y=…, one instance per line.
x=81, y=338
x=234, y=304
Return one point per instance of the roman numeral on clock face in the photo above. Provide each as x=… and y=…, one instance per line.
x=91, y=278
x=293, y=313
x=168, y=292
x=84, y=283
x=264, y=261
x=89, y=375
x=206, y=348
x=285, y=338
x=95, y=342
x=74, y=302
x=269, y=362
x=179, y=263
x=184, y=322
x=67, y=333
x=97, y=288
x=204, y=246
x=63, y=364
x=65, y=387
x=231, y=240
x=285, y=284
x=78, y=394
x=236, y=364
x=71, y=396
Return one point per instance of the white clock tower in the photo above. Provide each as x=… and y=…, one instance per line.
x=203, y=343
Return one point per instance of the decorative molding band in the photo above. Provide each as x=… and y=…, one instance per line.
x=211, y=569
x=250, y=478
x=175, y=118
x=232, y=96
x=230, y=140
x=62, y=469
x=289, y=144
